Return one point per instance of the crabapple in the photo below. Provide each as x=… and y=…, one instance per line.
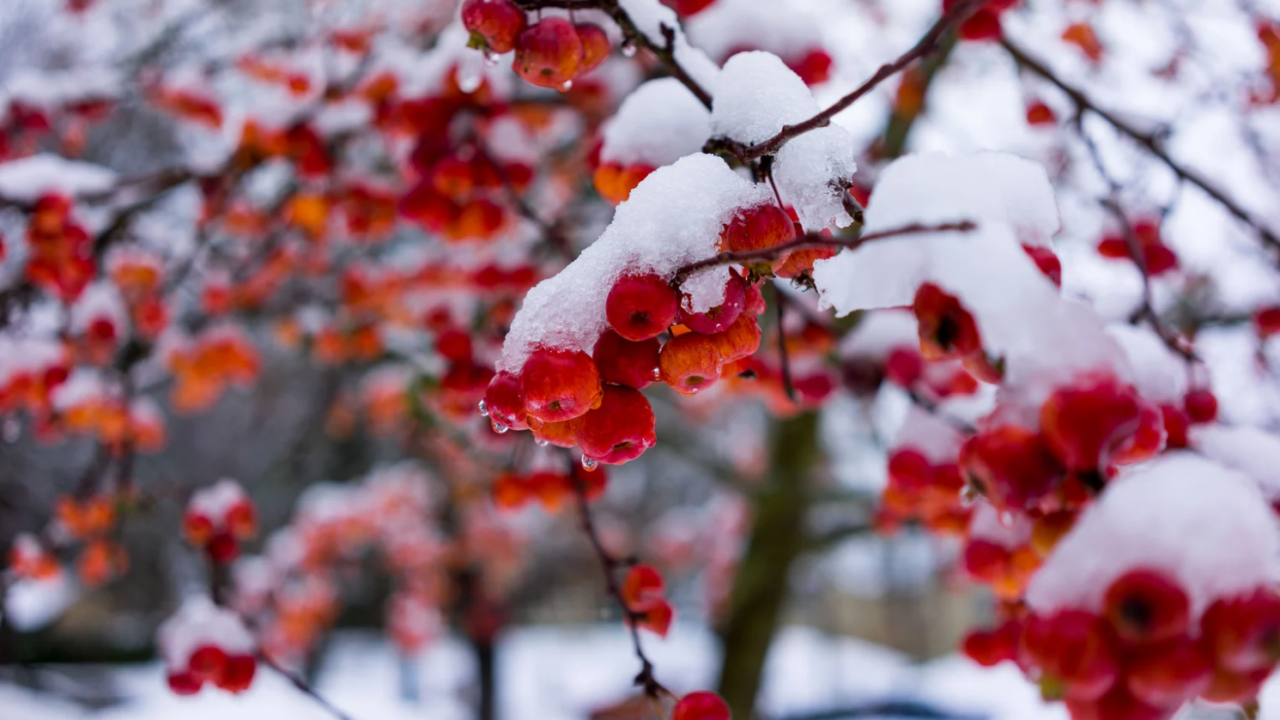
x=549, y=53
x=992, y=647
x=741, y=340
x=595, y=46
x=946, y=328
x=1047, y=261
x=615, y=182
x=757, y=228
x=720, y=317
x=1146, y=606
x=560, y=434
x=559, y=384
x=701, y=705
x=685, y=8
x=1201, y=405
x=1166, y=674
x=504, y=402
x=1012, y=466
x=1244, y=632
x=1073, y=649
x=690, y=362
x=1086, y=422
x=621, y=429
x=641, y=306
x=624, y=362
x=184, y=683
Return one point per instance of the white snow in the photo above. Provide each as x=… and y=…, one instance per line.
x=216, y=500
x=672, y=218
x=755, y=95
x=199, y=622
x=1253, y=451
x=30, y=177
x=731, y=25
x=1198, y=521
x=657, y=124
x=812, y=172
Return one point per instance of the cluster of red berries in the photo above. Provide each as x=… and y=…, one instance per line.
x=647, y=606
x=1156, y=259
x=550, y=53
x=457, y=195
x=567, y=397
x=1145, y=653
x=218, y=518
x=922, y=491
x=61, y=250
x=512, y=491
x=204, y=643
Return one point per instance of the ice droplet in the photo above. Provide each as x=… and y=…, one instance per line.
x=499, y=427
x=567, y=86
x=629, y=48
x=589, y=464
x=540, y=442
x=484, y=409
x=657, y=374
x=490, y=59
x=470, y=73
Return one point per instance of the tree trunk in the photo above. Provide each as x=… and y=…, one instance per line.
x=761, y=586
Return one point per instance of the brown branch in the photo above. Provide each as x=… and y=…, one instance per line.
x=814, y=240
x=303, y=687
x=611, y=565
x=1149, y=141
x=784, y=357
x=929, y=43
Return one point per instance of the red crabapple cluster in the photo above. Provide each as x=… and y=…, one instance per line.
x=206, y=644
x=550, y=52
x=218, y=519
x=593, y=401
x=647, y=607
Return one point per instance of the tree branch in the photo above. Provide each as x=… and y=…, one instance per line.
x=814, y=240
x=610, y=565
x=928, y=44
x=1151, y=142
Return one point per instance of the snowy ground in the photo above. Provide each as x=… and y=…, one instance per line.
x=562, y=674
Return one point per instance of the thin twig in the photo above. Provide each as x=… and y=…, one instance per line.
x=610, y=565
x=814, y=240
x=303, y=687
x=1151, y=142
x=928, y=44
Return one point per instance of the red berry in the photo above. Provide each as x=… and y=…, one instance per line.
x=1012, y=466
x=548, y=54
x=621, y=429
x=559, y=385
x=701, y=705
x=985, y=560
x=239, y=673
x=1085, y=422
x=946, y=328
x=1170, y=673
x=741, y=340
x=623, y=362
x=757, y=228
x=1146, y=606
x=904, y=366
x=1267, y=321
x=223, y=548
x=1244, y=632
x=184, y=683
x=504, y=402
x=690, y=362
x=1047, y=260
x=1175, y=426
x=910, y=469
x=992, y=647
x=493, y=24
x=641, y=306
x=1201, y=405
x=1073, y=648
x=208, y=663
x=595, y=46
x=688, y=7
x=719, y=318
